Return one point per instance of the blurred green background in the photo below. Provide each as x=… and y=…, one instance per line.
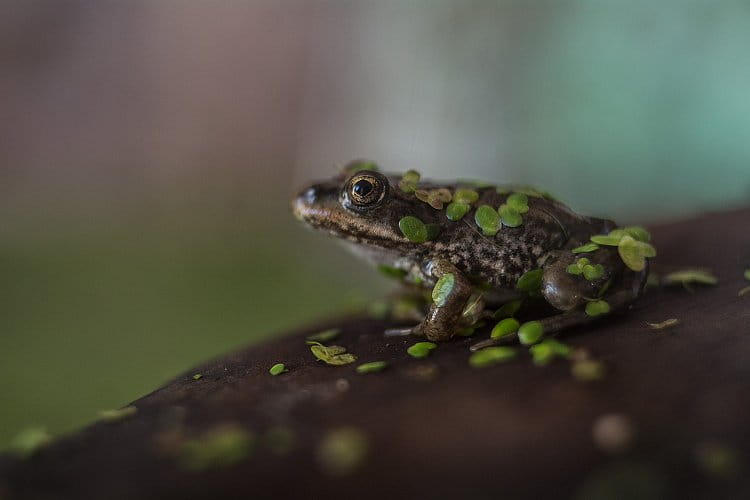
x=149, y=151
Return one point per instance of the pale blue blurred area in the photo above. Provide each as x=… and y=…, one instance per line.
x=149, y=151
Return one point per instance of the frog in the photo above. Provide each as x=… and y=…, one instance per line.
x=476, y=246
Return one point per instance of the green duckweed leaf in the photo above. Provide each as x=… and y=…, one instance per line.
x=421, y=349
x=197, y=376
x=325, y=335
x=594, y=272
x=531, y=281
x=508, y=309
x=574, y=269
x=413, y=228
x=638, y=233
x=547, y=350
x=465, y=196
x=505, y=327
x=487, y=219
x=597, y=308
x=491, y=356
x=391, y=272
x=333, y=355
x=456, y=210
x=443, y=289
x=217, y=448
x=510, y=216
x=277, y=369
x=633, y=252
x=372, y=367
x=607, y=240
x=435, y=197
x=530, y=332
x=408, y=182
x=518, y=202
x=690, y=276
x=588, y=247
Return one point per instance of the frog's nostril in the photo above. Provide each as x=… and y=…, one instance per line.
x=310, y=195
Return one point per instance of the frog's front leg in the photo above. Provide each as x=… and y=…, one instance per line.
x=449, y=299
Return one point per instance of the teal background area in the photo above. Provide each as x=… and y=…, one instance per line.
x=148, y=152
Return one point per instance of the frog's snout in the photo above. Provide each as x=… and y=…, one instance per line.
x=310, y=203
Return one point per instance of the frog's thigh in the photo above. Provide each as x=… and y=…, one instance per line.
x=444, y=316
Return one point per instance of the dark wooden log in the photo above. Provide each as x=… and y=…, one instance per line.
x=438, y=428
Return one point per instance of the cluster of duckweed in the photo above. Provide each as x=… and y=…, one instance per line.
x=583, y=266
x=663, y=325
x=421, y=349
x=690, y=276
x=335, y=355
x=417, y=231
x=596, y=308
x=509, y=214
x=278, y=369
x=463, y=199
x=443, y=289
x=632, y=244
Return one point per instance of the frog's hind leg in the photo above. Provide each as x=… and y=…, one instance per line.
x=618, y=301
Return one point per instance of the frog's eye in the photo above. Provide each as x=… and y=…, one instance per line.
x=365, y=190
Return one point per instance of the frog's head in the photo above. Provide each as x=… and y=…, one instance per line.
x=363, y=207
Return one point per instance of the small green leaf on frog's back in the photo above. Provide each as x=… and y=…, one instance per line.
x=667, y=323
x=510, y=216
x=456, y=210
x=278, y=369
x=690, y=276
x=197, y=376
x=117, y=415
x=372, y=367
x=597, y=308
x=531, y=281
x=391, y=272
x=491, y=356
x=443, y=289
x=408, y=182
x=588, y=247
x=421, y=349
x=504, y=328
x=518, y=202
x=638, y=233
x=633, y=253
x=465, y=196
x=325, y=335
x=487, y=219
x=413, y=228
x=530, y=332
x=594, y=272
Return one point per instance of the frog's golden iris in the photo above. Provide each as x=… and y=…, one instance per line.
x=365, y=190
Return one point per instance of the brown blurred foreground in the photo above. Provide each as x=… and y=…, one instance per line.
x=437, y=428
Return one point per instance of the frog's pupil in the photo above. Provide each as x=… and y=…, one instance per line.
x=362, y=187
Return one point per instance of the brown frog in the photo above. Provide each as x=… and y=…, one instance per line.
x=477, y=246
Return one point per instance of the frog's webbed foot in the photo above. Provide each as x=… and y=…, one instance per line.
x=628, y=290
x=451, y=307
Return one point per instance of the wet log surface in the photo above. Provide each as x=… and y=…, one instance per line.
x=438, y=428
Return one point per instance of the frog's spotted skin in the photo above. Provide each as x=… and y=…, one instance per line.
x=365, y=209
